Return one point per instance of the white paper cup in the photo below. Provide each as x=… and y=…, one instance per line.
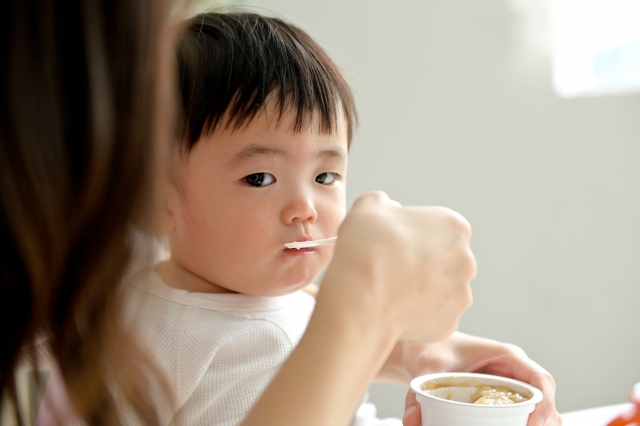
x=443, y=412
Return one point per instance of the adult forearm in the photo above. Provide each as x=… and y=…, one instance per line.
x=394, y=369
x=459, y=352
x=327, y=375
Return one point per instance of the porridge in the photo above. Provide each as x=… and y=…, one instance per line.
x=484, y=394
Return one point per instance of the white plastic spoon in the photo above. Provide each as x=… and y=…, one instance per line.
x=314, y=243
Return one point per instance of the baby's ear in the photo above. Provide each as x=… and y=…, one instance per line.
x=166, y=208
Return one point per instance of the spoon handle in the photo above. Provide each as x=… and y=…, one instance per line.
x=314, y=243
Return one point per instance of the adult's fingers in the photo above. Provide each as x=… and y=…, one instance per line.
x=375, y=197
x=518, y=366
x=415, y=261
x=412, y=415
x=372, y=197
x=526, y=370
x=545, y=413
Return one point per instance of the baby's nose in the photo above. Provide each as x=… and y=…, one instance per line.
x=299, y=208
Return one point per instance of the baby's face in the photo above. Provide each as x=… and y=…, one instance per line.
x=246, y=193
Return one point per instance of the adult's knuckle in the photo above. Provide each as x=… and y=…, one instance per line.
x=456, y=221
x=376, y=196
x=470, y=265
x=515, y=349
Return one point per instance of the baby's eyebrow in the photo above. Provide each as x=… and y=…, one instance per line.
x=332, y=153
x=253, y=151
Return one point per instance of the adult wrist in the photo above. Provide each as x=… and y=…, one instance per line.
x=356, y=331
x=350, y=296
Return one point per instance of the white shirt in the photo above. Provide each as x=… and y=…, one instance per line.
x=220, y=351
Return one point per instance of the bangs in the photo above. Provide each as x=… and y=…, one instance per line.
x=231, y=66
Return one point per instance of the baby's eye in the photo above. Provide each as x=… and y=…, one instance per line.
x=259, y=179
x=326, y=178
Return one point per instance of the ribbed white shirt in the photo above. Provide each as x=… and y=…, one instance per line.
x=220, y=351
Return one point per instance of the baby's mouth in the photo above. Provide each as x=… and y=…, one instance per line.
x=293, y=246
x=312, y=243
x=302, y=239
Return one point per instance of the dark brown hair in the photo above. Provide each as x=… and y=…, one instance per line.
x=84, y=106
x=230, y=64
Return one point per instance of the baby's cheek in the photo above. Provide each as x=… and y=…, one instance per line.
x=326, y=257
x=334, y=218
x=335, y=226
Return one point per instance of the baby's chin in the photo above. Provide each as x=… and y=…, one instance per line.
x=277, y=288
x=280, y=290
x=279, y=284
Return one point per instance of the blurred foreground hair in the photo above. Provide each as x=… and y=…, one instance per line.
x=85, y=105
x=231, y=65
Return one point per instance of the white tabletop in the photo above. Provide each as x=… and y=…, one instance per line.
x=599, y=416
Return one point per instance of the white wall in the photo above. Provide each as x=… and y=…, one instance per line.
x=457, y=109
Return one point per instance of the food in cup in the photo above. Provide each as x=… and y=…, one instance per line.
x=497, y=395
x=451, y=403
x=484, y=394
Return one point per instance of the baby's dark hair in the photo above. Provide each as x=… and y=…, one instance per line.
x=229, y=64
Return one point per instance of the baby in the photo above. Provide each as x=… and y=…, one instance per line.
x=261, y=161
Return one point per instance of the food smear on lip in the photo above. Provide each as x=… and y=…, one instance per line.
x=484, y=394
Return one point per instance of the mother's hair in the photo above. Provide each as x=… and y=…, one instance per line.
x=85, y=103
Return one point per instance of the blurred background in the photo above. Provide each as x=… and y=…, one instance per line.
x=524, y=116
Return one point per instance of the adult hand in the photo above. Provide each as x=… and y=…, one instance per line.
x=466, y=353
x=410, y=265
x=394, y=269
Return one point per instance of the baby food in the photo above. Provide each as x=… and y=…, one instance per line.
x=484, y=394
x=496, y=395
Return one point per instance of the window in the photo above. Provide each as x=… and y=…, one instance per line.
x=597, y=49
